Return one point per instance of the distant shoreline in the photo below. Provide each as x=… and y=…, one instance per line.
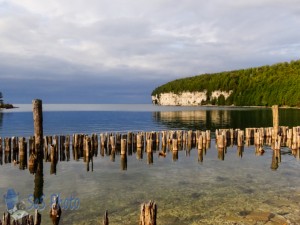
x=232, y=106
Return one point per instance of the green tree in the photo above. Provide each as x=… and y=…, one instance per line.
x=221, y=100
x=266, y=85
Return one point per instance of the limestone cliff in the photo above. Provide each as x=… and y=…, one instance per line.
x=187, y=98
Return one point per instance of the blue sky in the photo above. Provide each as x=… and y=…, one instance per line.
x=118, y=51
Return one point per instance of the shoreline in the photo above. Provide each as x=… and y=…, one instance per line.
x=7, y=106
x=230, y=106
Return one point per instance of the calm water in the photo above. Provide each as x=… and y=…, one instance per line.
x=232, y=187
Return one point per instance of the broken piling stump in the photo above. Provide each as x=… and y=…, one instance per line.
x=105, y=219
x=148, y=213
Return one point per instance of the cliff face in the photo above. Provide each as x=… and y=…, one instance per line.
x=187, y=98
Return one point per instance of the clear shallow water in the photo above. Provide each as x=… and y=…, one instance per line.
x=234, y=190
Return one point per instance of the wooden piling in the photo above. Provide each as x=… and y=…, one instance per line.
x=38, y=126
x=22, y=153
x=62, y=149
x=275, y=116
x=7, y=144
x=46, y=149
x=15, y=148
x=31, y=143
x=37, y=218
x=67, y=147
x=220, y=141
x=123, y=146
x=148, y=213
x=112, y=142
x=175, y=144
x=149, y=145
x=200, y=142
x=53, y=159
x=277, y=143
x=95, y=144
x=240, y=138
x=163, y=138
x=105, y=219
x=103, y=139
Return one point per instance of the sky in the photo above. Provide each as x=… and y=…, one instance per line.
x=118, y=51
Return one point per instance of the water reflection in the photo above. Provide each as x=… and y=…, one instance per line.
x=56, y=152
x=225, y=118
x=39, y=182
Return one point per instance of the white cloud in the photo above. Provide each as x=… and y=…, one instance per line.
x=159, y=37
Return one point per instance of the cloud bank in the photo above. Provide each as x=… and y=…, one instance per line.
x=119, y=51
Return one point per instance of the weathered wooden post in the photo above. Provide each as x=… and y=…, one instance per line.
x=37, y=218
x=175, y=144
x=200, y=142
x=7, y=149
x=200, y=155
x=275, y=121
x=88, y=151
x=149, y=145
x=148, y=213
x=46, y=150
x=139, y=141
x=240, y=138
x=123, y=146
x=112, y=142
x=62, y=153
x=56, y=146
x=31, y=144
x=105, y=219
x=276, y=159
x=123, y=154
x=53, y=160
x=95, y=144
x=221, y=141
x=6, y=219
x=67, y=147
x=38, y=126
x=7, y=144
x=22, y=153
x=15, y=148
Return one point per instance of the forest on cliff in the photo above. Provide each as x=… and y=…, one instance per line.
x=278, y=84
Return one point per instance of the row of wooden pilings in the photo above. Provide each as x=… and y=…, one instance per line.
x=86, y=146
x=26, y=220
x=58, y=147
x=148, y=216
x=90, y=144
x=290, y=136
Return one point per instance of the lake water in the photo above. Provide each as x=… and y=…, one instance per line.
x=235, y=186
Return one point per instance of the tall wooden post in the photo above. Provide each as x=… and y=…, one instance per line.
x=38, y=126
x=275, y=120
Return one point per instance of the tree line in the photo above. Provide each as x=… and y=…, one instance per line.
x=278, y=84
x=4, y=105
